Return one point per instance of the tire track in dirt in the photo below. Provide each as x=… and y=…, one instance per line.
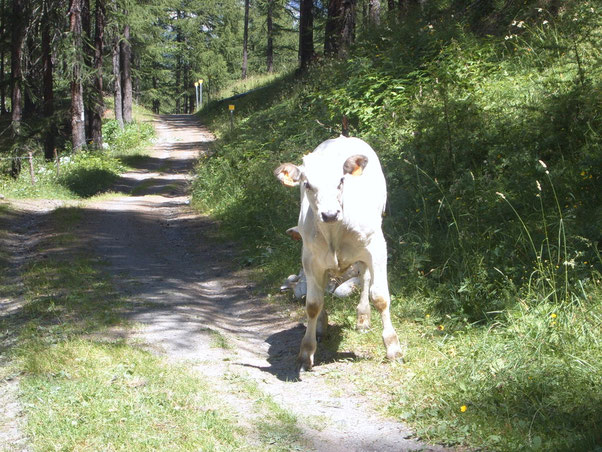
x=186, y=294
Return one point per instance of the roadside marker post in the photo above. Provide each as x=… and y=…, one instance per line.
x=231, y=109
x=31, y=170
x=196, y=94
x=201, y=92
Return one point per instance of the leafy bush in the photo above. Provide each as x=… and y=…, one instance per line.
x=132, y=139
x=89, y=173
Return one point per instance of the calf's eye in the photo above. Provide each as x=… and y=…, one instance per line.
x=308, y=186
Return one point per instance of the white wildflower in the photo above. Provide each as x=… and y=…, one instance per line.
x=501, y=195
x=538, y=185
x=541, y=162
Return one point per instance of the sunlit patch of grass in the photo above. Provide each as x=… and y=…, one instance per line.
x=250, y=83
x=218, y=340
x=90, y=396
x=276, y=426
x=104, y=196
x=526, y=381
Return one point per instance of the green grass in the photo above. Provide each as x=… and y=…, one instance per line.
x=275, y=425
x=491, y=149
x=87, y=395
x=526, y=381
x=241, y=86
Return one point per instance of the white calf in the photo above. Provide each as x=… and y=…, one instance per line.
x=343, y=195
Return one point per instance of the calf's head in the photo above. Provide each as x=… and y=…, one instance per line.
x=323, y=182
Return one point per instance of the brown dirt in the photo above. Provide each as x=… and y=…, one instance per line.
x=185, y=293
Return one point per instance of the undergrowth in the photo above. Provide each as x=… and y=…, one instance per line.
x=491, y=146
x=80, y=174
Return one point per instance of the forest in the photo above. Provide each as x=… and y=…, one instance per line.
x=486, y=116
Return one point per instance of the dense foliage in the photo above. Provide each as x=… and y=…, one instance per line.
x=489, y=131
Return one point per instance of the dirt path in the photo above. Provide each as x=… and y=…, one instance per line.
x=186, y=296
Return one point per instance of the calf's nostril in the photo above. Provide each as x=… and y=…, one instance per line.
x=328, y=217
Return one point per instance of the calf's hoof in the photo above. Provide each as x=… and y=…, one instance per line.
x=394, y=350
x=304, y=363
x=363, y=323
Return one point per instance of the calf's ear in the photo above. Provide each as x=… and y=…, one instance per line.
x=294, y=233
x=288, y=174
x=355, y=165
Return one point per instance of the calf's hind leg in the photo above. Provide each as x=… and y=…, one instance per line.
x=363, y=308
x=379, y=292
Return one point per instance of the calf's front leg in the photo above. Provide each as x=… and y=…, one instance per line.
x=314, y=304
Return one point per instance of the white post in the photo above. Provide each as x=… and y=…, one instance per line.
x=196, y=94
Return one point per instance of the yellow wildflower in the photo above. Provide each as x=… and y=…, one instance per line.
x=463, y=408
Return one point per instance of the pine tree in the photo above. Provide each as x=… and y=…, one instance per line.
x=306, y=33
x=98, y=101
x=126, y=75
x=78, y=130
x=245, y=41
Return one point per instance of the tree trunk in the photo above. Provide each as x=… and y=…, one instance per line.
x=117, y=98
x=270, y=46
x=78, y=131
x=348, y=27
x=331, y=44
x=374, y=12
x=29, y=106
x=126, y=81
x=88, y=47
x=179, y=89
x=48, y=93
x=406, y=5
x=156, y=102
x=185, y=89
x=99, y=105
x=16, y=55
x=306, y=33
x=340, y=27
x=245, y=40
x=2, y=87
